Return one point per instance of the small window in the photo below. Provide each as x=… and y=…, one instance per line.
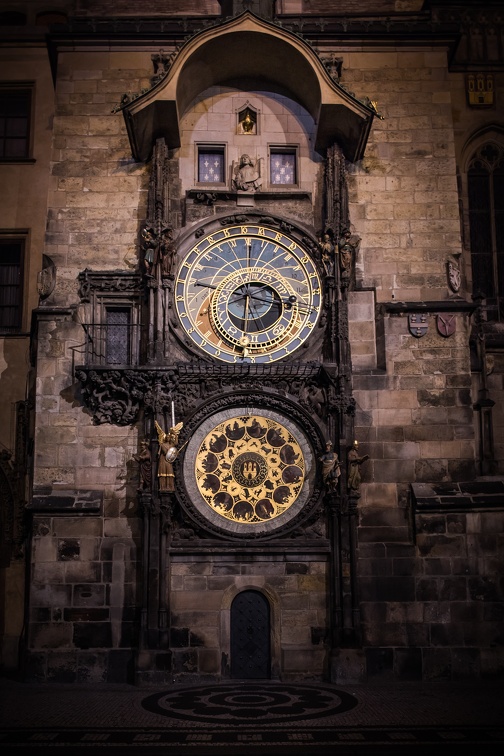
x=15, y=111
x=211, y=164
x=117, y=349
x=283, y=166
x=11, y=283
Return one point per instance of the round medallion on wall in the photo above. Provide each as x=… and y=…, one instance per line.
x=248, y=293
x=248, y=471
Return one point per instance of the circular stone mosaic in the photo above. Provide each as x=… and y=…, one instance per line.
x=251, y=702
x=249, y=469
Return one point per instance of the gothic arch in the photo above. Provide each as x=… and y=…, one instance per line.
x=225, y=621
x=255, y=52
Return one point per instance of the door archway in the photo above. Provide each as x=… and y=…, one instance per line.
x=250, y=636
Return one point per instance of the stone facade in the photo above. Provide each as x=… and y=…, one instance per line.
x=398, y=579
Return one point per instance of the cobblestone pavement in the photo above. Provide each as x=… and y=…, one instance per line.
x=263, y=717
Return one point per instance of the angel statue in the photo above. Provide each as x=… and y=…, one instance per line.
x=167, y=454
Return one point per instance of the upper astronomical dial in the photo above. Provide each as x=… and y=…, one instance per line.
x=248, y=293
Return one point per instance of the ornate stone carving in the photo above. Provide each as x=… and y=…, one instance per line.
x=247, y=174
x=113, y=396
x=117, y=281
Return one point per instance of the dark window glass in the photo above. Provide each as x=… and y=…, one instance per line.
x=15, y=108
x=283, y=166
x=11, y=259
x=118, y=336
x=486, y=218
x=211, y=165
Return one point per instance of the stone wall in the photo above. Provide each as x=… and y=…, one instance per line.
x=84, y=620
x=203, y=589
x=432, y=607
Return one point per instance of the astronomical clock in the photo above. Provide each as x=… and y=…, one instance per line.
x=248, y=293
x=248, y=299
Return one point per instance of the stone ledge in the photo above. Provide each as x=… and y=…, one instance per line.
x=461, y=497
x=66, y=500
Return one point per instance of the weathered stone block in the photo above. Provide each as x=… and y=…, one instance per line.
x=348, y=665
x=387, y=589
x=62, y=667
x=51, y=635
x=436, y=664
x=379, y=663
x=307, y=663
x=209, y=661
x=437, y=566
x=89, y=595
x=408, y=663
x=465, y=663
x=92, y=635
x=439, y=545
x=68, y=549
x=448, y=634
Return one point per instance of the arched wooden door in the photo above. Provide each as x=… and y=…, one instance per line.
x=250, y=636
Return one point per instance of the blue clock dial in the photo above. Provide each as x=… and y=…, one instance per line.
x=248, y=294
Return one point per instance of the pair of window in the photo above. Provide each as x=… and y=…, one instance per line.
x=282, y=165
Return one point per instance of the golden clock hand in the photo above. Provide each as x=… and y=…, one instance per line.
x=246, y=312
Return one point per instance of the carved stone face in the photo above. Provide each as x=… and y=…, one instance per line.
x=454, y=276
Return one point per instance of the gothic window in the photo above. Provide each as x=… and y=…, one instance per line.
x=486, y=220
x=11, y=284
x=283, y=166
x=211, y=164
x=15, y=113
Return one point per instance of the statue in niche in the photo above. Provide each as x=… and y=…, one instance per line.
x=354, y=462
x=347, y=247
x=158, y=248
x=149, y=244
x=330, y=467
x=145, y=466
x=167, y=454
x=247, y=121
x=327, y=252
x=247, y=176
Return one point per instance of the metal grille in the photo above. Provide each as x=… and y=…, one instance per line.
x=118, y=343
x=250, y=637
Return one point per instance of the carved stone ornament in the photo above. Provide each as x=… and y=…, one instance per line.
x=46, y=278
x=454, y=276
x=446, y=324
x=247, y=174
x=117, y=281
x=116, y=396
x=418, y=324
